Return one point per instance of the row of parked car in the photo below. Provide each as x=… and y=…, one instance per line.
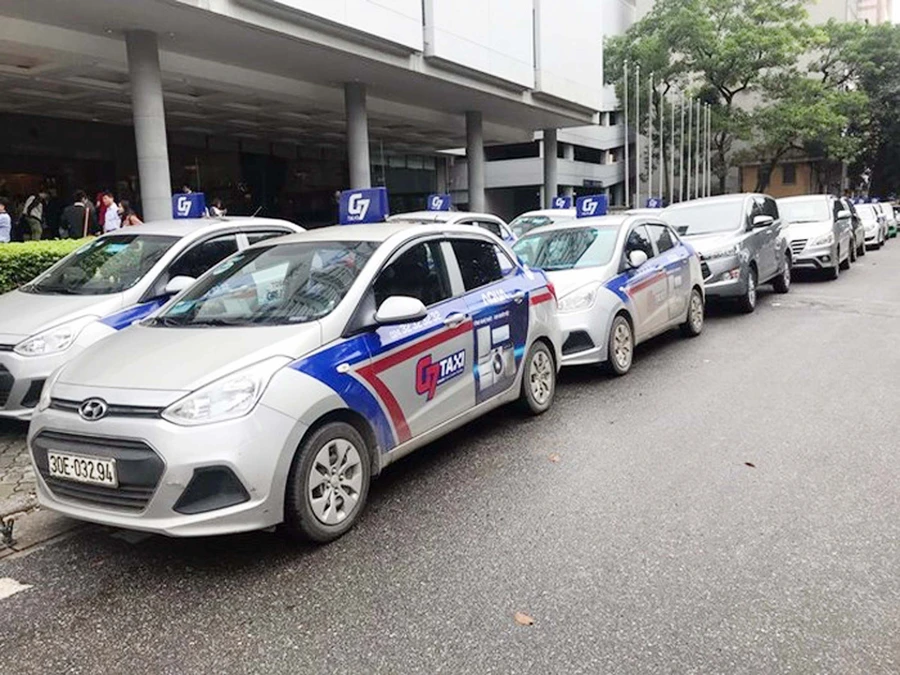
x=212, y=376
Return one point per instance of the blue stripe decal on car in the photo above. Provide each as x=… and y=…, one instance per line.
x=130, y=315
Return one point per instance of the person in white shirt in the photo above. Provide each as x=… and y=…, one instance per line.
x=112, y=221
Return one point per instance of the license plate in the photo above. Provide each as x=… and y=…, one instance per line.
x=81, y=469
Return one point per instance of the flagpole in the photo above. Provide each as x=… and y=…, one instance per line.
x=681, y=160
x=690, y=143
x=672, y=155
x=662, y=145
x=709, y=150
x=699, y=155
x=627, y=141
x=637, y=136
x=649, y=140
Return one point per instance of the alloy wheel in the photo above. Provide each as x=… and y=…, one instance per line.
x=540, y=376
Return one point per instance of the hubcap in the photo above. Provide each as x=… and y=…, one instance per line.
x=696, y=312
x=540, y=375
x=335, y=481
x=751, y=290
x=622, y=345
x=787, y=274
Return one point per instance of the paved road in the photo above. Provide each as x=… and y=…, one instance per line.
x=652, y=545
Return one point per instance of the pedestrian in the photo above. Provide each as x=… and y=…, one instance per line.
x=217, y=210
x=100, y=208
x=111, y=220
x=33, y=216
x=78, y=218
x=5, y=221
x=127, y=214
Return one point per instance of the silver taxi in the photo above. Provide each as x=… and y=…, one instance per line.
x=620, y=280
x=279, y=384
x=104, y=286
x=486, y=221
x=531, y=220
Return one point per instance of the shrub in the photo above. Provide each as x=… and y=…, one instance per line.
x=22, y=262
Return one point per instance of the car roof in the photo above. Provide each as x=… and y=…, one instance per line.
x=376, y=232
x=644, y=212
x=718, y=199
x=549, y=212
x=438, y=216
x=185, y=226
x=799, y=198
x=599, y=221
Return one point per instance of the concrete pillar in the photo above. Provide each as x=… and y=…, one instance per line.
x=569, y=152
x=475, y=159
x=551, y=166
x=149, y=125
x=357, y=135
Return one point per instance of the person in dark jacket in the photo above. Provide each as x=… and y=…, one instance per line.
x=78, y=218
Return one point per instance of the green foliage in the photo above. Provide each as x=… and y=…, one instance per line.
x=22, y=262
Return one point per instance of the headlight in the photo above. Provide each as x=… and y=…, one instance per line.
x=824, y=240
x=723, y=252
x=583, y=298
x=44, y=400
x=227, y=398
x=55, y=340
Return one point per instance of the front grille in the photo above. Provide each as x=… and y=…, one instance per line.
x=704, y=269
x=138, y=468
x=66, y=405
x=798, y=245
x=6, y=384
x=578, y=341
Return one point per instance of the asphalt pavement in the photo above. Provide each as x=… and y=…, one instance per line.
x=731, y=506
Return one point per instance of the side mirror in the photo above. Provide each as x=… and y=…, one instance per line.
x=843, y=215
x=400, y=309
x=762, y=221
x=178, y=284
x=637, y=258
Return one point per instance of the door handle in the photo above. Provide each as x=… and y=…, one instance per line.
x=456, y=319
x=518, y=297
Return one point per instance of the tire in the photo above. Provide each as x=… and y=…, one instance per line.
x=620, y=347
x=538, y=380
x=845, y=265
x=832, y=273
x=694, y=324
x=332, y=467
x=853, y=255
x=862, y=248
x=747, y=302
x=782, y=283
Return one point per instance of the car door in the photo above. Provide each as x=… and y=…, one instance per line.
x=768, y=259
x=647, y=286
x=675, y=259
x=843, y=227
x=422, y=371
x=498, y=303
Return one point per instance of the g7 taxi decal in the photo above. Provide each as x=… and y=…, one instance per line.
x=430, y=375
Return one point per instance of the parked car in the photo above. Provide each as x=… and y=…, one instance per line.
x=275, y=387
x=820, y=233
x=875, y=225
x=890, y=215
x=485, y=221
x=534, y=219
x=621, y=280
x=104, y=286
x=859, y=232
x=740, y=241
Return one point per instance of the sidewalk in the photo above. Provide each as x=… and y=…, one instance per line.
x=16, y=474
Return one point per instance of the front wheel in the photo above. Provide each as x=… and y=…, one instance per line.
x=328, y=483
x=539, y=380
x=694, y=324
x=782, y=283
x=747, y=302
x=845, y=264
x=853, y=255
x=833, y=272
x=620, y=347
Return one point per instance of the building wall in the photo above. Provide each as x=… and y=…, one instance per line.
x=874, y=11
x=804, y=184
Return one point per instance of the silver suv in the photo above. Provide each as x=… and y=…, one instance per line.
x=740, y=242
x=820, y=232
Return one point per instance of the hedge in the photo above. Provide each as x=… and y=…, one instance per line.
x=22, y=262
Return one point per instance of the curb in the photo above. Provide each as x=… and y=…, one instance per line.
x=10, y=510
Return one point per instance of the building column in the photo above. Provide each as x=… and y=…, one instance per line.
x=551, y=166
x=357, y=136
x=475, y=160
x=149, y=115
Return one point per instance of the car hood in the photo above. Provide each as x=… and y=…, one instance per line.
x=706, y=243
x=24, y=314
x=808, y=230
x=566, y=281
x=183, y=359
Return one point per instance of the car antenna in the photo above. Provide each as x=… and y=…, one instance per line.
x=256, y=213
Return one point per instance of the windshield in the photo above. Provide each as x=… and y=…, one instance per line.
x=104, y=266
x=568, y=249
x=525, y=224
x=279, y=285
x=706, y=217
x=866, y=212
x=814, y=209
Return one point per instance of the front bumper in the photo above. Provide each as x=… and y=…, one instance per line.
x=157, y=461
x=586, y=336
x=724, y=277
x=21, y=381
x=816, y=257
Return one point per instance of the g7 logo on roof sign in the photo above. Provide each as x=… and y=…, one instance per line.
x=191, y=205
x=183, y=206
x=654, y=203
x=439, y=202
x=592, y=205
x=364, y=206
x=358, y=206
x=429, y=374
x=562, y=203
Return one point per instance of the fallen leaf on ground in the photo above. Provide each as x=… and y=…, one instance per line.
x=751, y=465
x=554, y=458
x=523, y=619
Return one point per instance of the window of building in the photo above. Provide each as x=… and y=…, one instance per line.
x=589, y=155
x=789, y=174
x=496, y=153
x=613, y=119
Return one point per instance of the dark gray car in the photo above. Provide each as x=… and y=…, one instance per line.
x=740, y=242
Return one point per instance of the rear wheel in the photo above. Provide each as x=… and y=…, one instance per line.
x=539, y=380
x=328, y=483
x=853, y=255
x=862, y=248
x=694, y=324
x=845, y=264
x=747, y=302
x=782, y=283
x=620, y=349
